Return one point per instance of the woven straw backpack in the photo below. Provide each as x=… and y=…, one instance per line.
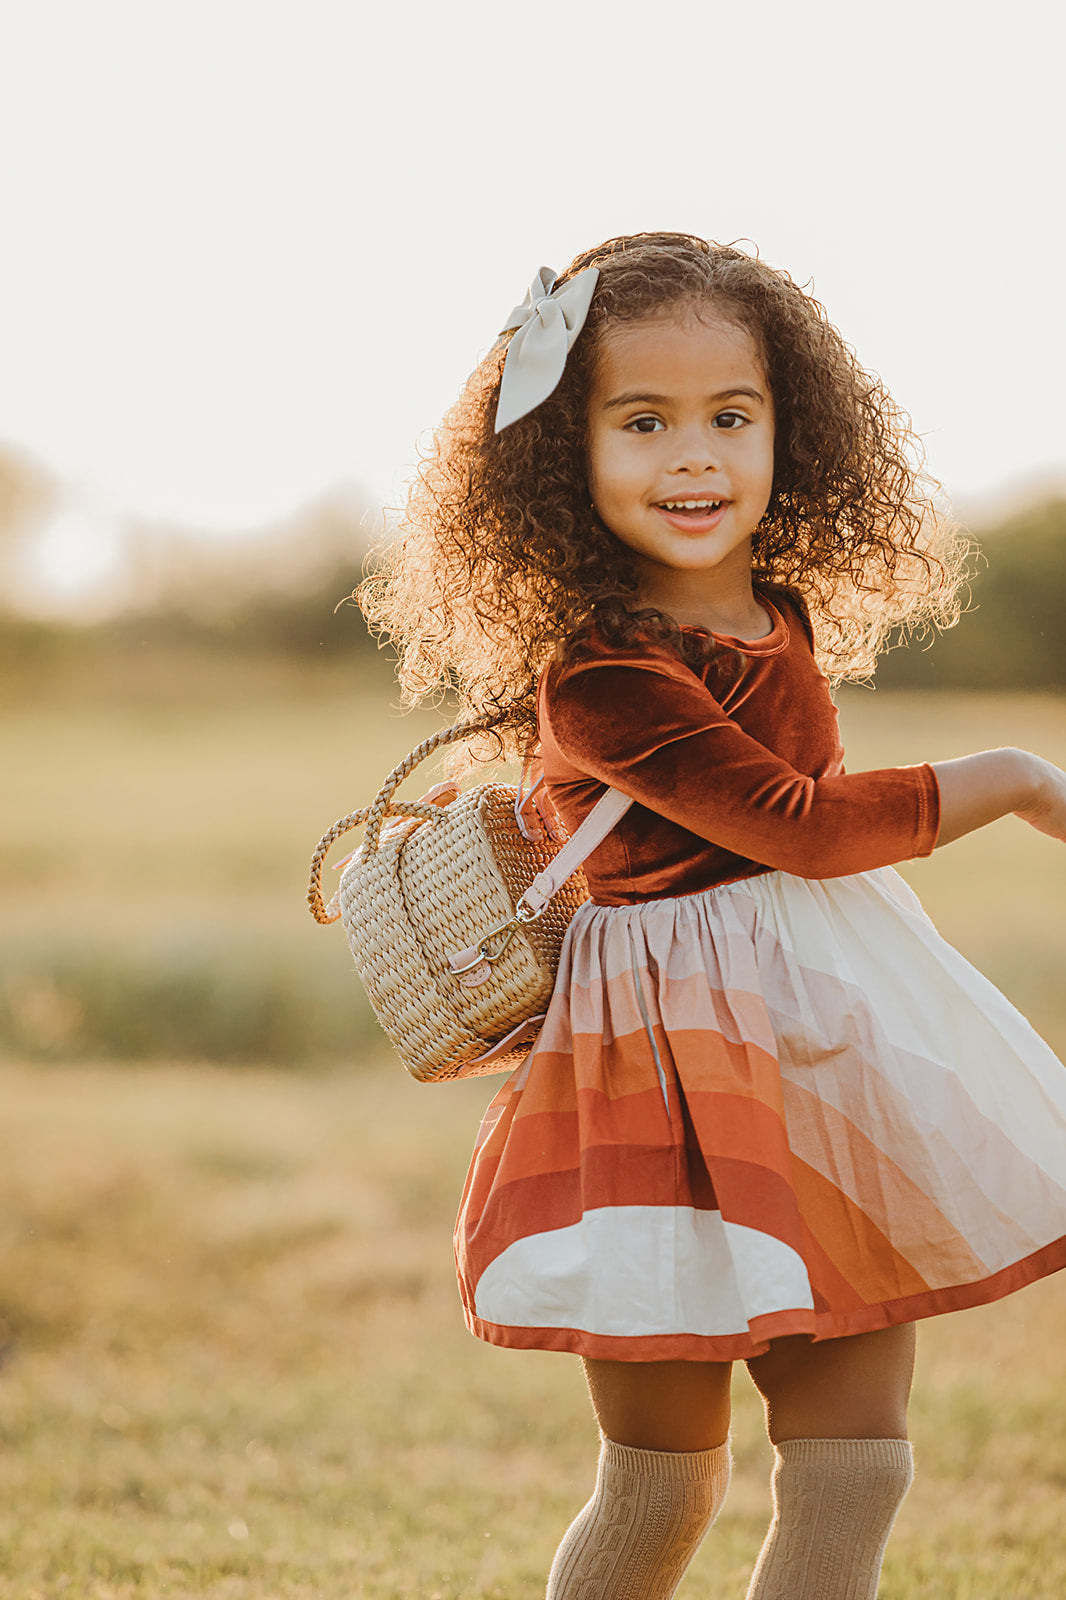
x=456, y=914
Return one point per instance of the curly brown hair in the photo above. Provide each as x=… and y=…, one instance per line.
x=501, y=561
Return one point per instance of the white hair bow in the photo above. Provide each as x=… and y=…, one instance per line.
x=548, y=321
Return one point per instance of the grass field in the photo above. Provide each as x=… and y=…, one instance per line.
x=235, y=1367
x=231, y=1357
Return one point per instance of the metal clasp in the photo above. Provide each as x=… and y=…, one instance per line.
x=522, y=914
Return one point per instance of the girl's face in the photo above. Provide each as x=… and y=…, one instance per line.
x=681, y=453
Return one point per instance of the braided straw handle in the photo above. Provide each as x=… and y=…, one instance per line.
x=381, y=807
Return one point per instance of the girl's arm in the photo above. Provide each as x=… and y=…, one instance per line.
x=975, y=790
x=662, y=739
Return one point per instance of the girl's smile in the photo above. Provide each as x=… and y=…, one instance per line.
x=693, y=516
x=681, y=459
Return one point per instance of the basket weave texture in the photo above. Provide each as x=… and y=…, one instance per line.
x=443, y=885
x=432, y=887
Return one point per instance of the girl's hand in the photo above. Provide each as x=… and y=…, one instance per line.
x=975, y=790
x=1046, y=810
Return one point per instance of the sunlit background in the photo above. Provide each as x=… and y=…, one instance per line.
x=248, y=253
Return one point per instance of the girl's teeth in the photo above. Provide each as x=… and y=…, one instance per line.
x=691, y=505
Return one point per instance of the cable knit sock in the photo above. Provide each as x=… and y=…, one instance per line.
x=835, y=1501
x=640, y=1530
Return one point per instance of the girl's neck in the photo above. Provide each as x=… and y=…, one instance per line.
x=728, y=607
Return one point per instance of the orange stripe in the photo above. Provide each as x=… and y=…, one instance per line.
x=711, y=1062
x=619, y=1070
x=748, y=1130
x=821, y=1136
x=638, y=1119
x=550, y=1085
x=857, y=1249
x=515, y=1211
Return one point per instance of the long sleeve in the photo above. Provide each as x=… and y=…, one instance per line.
x=670, y=746
x=728, y=784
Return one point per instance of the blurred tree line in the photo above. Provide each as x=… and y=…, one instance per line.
x=1014, y=634
x=284, y=593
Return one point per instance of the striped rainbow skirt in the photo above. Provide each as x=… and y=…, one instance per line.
x=781, y=1106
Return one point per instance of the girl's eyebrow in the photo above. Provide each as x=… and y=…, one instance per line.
x=634, y=397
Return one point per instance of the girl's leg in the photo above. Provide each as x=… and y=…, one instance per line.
x=663, y=1474
x=661, y=1405
x=837, y=1416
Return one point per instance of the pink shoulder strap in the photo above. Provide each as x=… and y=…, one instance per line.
x=597, y=825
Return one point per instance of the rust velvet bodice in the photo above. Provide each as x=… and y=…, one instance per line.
x=725, y=787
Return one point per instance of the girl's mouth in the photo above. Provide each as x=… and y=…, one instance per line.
x=697, y=516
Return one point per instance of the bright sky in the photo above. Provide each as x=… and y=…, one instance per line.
x=251, y=250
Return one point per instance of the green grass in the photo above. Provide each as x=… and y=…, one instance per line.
x=234, y=1366
x=154, y=866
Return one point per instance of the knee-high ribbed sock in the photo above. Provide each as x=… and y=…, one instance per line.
x=640, y=1530
x=835, y=1501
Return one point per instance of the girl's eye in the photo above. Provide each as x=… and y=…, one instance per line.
x=730, y=420
x=644, y=424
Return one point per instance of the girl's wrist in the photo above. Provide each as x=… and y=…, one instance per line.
x=1028, y=775
x=1035, y=780
x=975, y=790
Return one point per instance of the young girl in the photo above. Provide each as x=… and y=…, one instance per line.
x=771, y=1116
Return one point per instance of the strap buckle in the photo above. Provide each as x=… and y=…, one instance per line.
x=482, y=951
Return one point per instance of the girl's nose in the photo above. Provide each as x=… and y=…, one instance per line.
x=696, y=450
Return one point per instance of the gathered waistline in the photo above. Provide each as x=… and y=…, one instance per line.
x=767, y=874
x=691, y=894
